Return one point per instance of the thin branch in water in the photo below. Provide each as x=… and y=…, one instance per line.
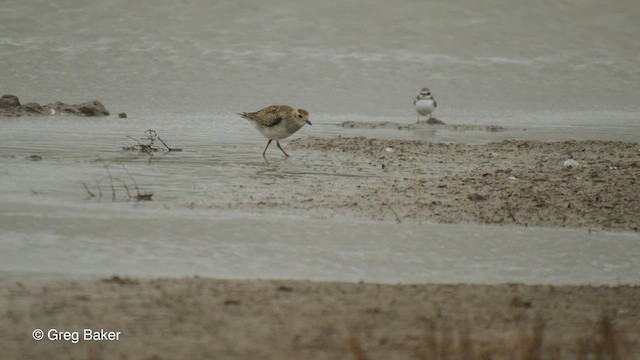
x=131, y=177
x=88, y=191
x=126, y=188
x=113, y=189
x=396, y=215
x=163, y=143
x=149, y=147
x=152, y=138
x=510, y=212
x=156, y=136
x=134, y=139
x=99, y=190
x=139, y=196
x=145, y=148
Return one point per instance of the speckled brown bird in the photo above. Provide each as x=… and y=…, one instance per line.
x=277, y=122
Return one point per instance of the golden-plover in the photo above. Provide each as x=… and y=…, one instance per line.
x=277, y=122
x=424, y=103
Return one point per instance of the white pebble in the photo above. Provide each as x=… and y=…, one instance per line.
x=570, y=163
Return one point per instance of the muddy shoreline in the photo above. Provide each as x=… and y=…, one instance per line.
x=431, y=124
x=568, y=184
x=10, y=106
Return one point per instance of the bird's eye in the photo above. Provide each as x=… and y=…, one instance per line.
x=299, y=116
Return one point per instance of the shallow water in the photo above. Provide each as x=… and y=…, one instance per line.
x=548, y=71
x=104, y=241
x=50, y=225
x=483, y=60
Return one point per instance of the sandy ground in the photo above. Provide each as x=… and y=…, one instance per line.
x=576, y=184
x=197, y=318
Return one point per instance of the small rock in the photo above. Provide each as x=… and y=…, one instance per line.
x=9, y=101
x=122, y=115
x=495, y=128
x=389, y=149
x=93, y=108
x=34, y=157
x=476, y=197
x=570, y=163
x=517, y=302
x=512, y=178
x=285, y=288
x=33, y=108
x=434, y=121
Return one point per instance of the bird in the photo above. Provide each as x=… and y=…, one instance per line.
x=277, y=122
x=424, y=103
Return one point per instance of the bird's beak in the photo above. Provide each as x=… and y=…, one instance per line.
x=309, y=122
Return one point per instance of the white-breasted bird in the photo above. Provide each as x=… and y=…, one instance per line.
x=277, y=122
x=424, y=103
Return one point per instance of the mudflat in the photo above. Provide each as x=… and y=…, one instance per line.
x=573, y=184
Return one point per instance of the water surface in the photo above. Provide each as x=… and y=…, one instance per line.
x=547, y=71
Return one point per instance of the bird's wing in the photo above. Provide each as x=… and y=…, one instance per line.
x=435, y=104
x=270, y=120
x=269, y=116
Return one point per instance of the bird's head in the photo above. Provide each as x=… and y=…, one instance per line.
x=425, y=93
x=301, y=117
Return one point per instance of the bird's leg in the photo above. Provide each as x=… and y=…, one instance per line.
x=265, y=149
x=285, y=153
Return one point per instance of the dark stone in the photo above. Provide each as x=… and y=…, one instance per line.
x=122, y=115
x=434, y=121
x=33, y=108
x=9, y=101
x=476, y=197
x=93, y=108
x=285, y=288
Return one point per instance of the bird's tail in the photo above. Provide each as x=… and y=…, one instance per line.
x=244, y=115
